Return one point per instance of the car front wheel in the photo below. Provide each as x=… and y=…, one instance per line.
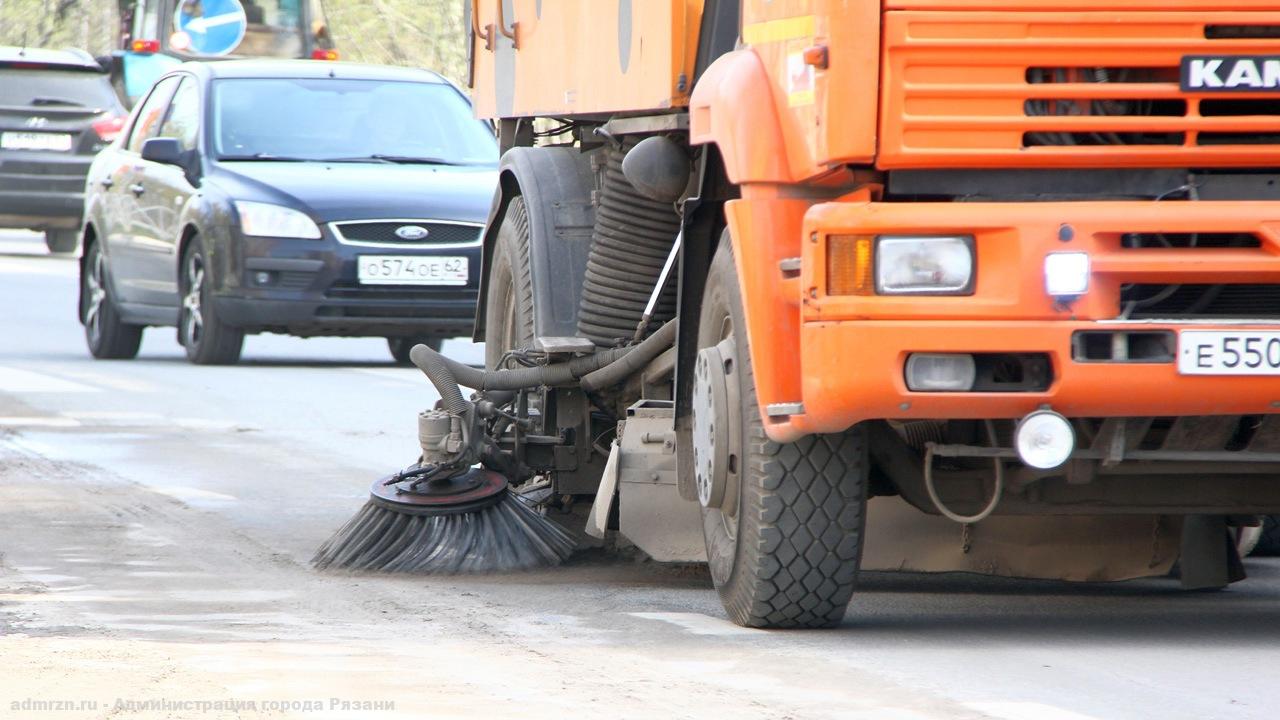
x=61, y=241
x=400, y=346
x=208, y=340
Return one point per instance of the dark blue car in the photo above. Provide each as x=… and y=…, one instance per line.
x=290, y=197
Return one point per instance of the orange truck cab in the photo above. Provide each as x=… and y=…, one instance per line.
x=1013, y=265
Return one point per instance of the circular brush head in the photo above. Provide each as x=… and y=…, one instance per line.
x=484, y=528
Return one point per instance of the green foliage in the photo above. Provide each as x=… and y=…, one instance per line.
x=88, y=24
x=417, y=33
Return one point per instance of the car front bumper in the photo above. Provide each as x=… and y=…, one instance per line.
x=311, y=288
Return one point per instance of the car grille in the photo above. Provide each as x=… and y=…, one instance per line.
x=383, y=232
x=1037, y=89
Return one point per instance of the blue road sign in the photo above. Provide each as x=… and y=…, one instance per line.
x=215, y=27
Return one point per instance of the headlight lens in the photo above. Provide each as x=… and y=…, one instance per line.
x=924, y=265
x=1066, y=274
x=266, y=220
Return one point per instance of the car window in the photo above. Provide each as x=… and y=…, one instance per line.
x=183, y=122
x=146, y=122
x=332, y=118
x=67, y=88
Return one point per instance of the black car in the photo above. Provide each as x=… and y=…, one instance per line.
x=292, y=197
x=57, y=110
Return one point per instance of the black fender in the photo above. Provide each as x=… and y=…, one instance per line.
x=207, y=216
x=557, y=185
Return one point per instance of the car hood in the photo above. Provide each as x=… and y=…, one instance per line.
x=363, y=191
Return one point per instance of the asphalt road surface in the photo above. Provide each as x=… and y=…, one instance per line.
x=156, y=520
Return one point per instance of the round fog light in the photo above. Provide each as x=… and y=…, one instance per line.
x=1044, y=440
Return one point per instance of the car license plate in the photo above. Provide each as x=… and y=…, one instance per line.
x=59, y=142
x=1228, y=352
x=411, y=270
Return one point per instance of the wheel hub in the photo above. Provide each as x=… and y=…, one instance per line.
x=470, y=491
x=710, y=427
x=96, y=292
x=194, y=320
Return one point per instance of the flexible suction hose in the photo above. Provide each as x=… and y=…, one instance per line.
x=629, y=245
x=600, y=370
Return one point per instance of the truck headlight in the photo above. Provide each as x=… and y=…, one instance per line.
x=266, y=220
x=924, y=265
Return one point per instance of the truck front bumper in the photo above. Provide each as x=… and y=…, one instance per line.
x=853, y=349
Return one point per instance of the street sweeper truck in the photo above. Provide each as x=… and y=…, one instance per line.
x=794, y=287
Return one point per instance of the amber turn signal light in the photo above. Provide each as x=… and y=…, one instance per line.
x=850, y=264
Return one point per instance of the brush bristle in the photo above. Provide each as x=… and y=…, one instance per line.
x=506, y=536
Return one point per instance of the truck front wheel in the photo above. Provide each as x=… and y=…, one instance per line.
x=783, y=522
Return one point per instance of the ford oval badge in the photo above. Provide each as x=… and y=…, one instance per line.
x=412, y=232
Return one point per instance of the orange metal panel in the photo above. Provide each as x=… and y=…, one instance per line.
x=853, y=371
x=1110, y=5
x=570, y=57
x=1011, y=240
x=826, y=114
x=965, y=89
x=733, y=106
x=852, y=350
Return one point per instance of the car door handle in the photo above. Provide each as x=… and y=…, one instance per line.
x=137, y=189
x=107, y=183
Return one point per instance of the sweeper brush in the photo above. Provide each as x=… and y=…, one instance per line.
x=454, y=511
x=466, y=524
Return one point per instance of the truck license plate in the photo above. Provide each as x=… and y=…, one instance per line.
x=1228, y=352
x=59, y=142
x=411, y=270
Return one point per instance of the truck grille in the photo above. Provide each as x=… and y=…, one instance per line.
x=1095, y=89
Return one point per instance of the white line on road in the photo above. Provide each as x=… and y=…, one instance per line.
x=405, y=375
x=16, y=380
x=698, y=624
x=63, y=422
x=1006, y=710
x=113, y=382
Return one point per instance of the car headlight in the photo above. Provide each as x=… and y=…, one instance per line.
x=266, y=220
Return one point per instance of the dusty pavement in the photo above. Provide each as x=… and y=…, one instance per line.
x=156, y=520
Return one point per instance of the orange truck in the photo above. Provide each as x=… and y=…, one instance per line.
x=980, y=285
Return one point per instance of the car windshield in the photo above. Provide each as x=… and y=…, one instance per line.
x=67, y=88
x=347, y=120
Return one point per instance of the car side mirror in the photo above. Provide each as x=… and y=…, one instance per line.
x=167, y=151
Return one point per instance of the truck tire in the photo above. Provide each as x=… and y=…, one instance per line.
x=509, y=305
x=107, y=337
x=784, y=545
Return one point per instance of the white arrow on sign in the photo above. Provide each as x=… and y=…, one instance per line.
x=201, y=24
